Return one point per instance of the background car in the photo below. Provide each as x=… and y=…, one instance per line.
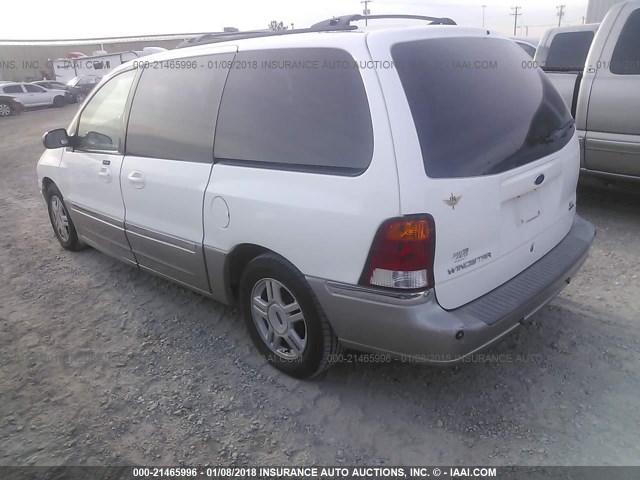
x=529, y=45
x=35, y=96
x=81, y=85
x=9, y=105
x=53, y=85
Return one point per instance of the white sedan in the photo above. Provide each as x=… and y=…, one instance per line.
x=34, y=95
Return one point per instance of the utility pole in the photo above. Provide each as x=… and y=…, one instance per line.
x=366, y=10
x=483, y=7
x=517, y=12
x=560, y=9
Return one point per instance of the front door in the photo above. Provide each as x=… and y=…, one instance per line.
x=92, y=169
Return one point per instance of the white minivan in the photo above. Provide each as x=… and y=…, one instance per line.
x=403, y=191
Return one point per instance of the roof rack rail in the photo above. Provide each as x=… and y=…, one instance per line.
x=344, y=22
x=330, y=25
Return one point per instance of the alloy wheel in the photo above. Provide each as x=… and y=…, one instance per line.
x=279, y=319
x=59, y=217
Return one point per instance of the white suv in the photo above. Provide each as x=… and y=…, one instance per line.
x=403, y=191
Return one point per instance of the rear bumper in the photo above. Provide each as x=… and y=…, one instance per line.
x=415, y=327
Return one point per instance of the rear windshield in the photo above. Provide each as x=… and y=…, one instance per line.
x=569, y=50
x=478, y=106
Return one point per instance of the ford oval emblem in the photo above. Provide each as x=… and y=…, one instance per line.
x=539, y=180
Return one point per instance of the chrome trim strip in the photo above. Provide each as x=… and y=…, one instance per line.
x=142, y=254
x=95, y=215
x=163, y=238
x=377, y=295
x=171, y=257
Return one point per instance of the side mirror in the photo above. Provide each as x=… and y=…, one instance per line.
x=55, y=138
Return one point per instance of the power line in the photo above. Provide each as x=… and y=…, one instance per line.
x=561, y=13
x=366, y=10
x=515, y=20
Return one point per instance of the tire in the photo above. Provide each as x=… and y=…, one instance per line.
x=59, y=102
x=81, y=97
x=272, y=293
x=5, y=109
x=59, y=216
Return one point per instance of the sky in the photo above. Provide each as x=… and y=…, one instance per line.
x=144, y=17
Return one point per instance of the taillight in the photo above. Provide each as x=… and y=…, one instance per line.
x=402, y=254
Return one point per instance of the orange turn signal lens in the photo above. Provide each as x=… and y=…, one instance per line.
x=409, y=230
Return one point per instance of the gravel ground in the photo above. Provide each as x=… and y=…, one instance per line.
x=104, y=364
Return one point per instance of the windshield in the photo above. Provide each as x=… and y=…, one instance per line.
x=477, y=108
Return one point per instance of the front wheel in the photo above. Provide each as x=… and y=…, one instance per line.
x=5, y=109
x=61, y=222
x=59, y=102
x=81, y=97
x=285, y=320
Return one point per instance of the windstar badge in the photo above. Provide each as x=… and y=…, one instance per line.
x=452, y=201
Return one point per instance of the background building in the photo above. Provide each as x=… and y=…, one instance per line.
x=25, y=60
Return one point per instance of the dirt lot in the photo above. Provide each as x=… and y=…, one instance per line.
x=104, y=364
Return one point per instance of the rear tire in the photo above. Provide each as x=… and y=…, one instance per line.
x=63, y=227
x=285, y=320
x=59, y=102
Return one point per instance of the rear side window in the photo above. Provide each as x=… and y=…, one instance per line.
x=13, y=89
x=476, y=110
x=297, y=109
x=174, y=110
x=626, y=56
x=569, y=50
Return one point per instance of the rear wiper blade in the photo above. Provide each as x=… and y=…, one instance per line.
x=560, y=132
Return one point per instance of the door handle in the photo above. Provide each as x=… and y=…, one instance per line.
x=105, y=174
x=136, y=179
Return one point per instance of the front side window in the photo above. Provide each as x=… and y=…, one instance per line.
x=300, y=109
x=476, y=110
x=13, y=89
x=568, y=51
x=626, y=56
x=174, y=110
x=101, y=125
